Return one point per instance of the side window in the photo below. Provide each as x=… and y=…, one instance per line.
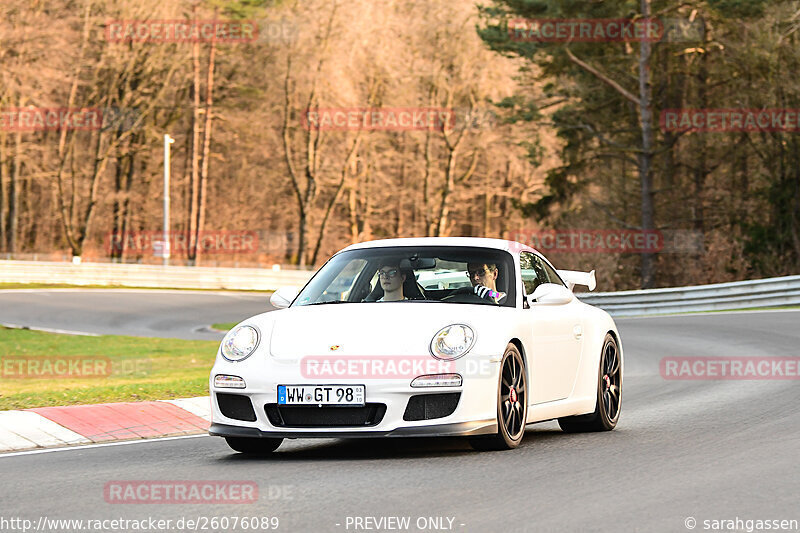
x=552, y=275
x=532, y=276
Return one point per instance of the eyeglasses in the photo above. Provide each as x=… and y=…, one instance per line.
x=386, y=274
x=480, y=273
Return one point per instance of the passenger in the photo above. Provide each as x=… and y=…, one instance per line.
x=483, y=277
x=391, y=280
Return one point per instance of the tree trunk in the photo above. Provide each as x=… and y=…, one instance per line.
x=289, y=159
x=646, y=155
x=13, y=194
x=126, y=204
x=66, y=149
x=793, y=211
x=401, y=181
x=301, y=244
x=449, y=185
x=426, y=186
x=700, y=168
x=349, y=160
x=366, y=226
x=203, y=199
x=30, y=224
x=444, y=206
x=487, y=205
x=194, y=155
x=3, y=242
x=97, y=171
x=352, y=211
x=118, y=213
x=504, y=202
x=307, y=196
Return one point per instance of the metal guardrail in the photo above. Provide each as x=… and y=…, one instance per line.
x=771, y=292
x=154, y=276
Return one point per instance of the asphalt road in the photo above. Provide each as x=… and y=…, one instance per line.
x=145, y=313
x=705, y=450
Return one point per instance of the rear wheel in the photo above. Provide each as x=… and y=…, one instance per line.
x=609, y=394
x=252, y=445
x=512, y=405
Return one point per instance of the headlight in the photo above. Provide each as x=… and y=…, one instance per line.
x=240, y=343
x=453, y=341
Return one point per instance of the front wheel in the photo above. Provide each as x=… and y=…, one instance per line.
x=254, y=445
x=512, y=405
x=609, y=394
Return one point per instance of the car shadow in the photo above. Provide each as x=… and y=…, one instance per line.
x=393, y=448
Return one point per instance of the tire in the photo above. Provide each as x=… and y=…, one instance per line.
x=609, y=394
x=253, y=445
x=512, y=405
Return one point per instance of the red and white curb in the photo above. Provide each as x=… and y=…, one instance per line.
x=46, y=427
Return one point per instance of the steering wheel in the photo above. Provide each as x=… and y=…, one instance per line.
x=464, y=295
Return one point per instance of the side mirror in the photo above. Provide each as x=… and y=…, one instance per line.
x=283, y=297
x=550, y=294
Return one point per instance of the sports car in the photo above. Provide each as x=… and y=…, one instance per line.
x=435, y=336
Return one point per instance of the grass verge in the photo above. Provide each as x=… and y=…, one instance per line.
x=224, y=326
x=39, y=369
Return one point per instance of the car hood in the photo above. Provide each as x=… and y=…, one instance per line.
x=372, y=329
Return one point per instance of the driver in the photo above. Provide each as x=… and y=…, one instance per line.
x=391, y=280
x=483, y=277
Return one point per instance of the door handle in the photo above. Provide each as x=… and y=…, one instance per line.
x=577, y=331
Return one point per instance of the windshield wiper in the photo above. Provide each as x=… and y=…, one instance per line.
x=330, y=302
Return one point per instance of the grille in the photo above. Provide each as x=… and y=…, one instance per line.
x=291, y=416
x=236, y=406
x=428, y=406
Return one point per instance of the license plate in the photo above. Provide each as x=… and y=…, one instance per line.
x=342, y=395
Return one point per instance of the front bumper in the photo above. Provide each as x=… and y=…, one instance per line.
x=478, y=427
x=475, y=413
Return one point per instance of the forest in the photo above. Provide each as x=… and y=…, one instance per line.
x=300, y=127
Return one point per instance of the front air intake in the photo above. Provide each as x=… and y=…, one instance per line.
x=236, y=406
x=430, y=406
x=291, y=416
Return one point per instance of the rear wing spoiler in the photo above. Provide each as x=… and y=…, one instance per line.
x=574, y=277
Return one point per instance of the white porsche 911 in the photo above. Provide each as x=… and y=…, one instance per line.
x=420, y=337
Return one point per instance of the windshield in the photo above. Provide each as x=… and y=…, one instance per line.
x=480, y=276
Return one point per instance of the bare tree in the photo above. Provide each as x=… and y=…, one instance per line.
x=305, y=188
x=194, y=161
